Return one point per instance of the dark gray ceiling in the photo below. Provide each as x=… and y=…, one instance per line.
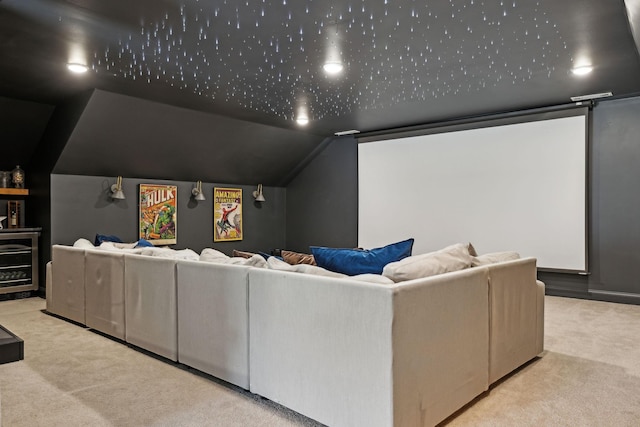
x=406, y=61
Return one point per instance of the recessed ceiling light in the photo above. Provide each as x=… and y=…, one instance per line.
x=302, y=120
x=582, y=70
x=333, y=67
x=77, y=68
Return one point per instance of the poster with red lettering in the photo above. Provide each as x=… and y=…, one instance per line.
x=158, y=214
x=227, y=214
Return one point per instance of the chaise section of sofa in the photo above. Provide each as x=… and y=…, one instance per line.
x=213, y=319
x=347, y=353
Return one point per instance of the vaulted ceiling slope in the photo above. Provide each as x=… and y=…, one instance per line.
x=405, y=61
x=122, y=135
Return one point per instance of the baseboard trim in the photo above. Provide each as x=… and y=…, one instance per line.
x=595, y=295
x=611, y=296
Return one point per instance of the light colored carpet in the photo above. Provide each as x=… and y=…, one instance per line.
x=589, y=375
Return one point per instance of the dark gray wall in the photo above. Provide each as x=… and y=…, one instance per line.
x=81, y=207
x=322, y=205
x=22, y=124
x=38, y=172
x=614, y=227
x=322, y=200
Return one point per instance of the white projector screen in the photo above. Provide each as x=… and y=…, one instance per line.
x=516, y=187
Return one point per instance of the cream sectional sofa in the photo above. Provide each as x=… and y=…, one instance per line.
x=340, y=351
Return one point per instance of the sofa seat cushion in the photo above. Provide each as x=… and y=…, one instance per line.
x=361, y=261
x=452, y=258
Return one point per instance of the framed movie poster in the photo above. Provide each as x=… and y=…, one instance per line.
x=158, y=213
x=227, y=214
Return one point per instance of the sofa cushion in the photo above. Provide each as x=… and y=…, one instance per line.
x=361, y=261
x=452, y=258
x=294, y=258
x=494, y=257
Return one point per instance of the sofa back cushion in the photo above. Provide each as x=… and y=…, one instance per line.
x=493, y=258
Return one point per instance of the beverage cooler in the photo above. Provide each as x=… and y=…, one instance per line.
x=19, y=260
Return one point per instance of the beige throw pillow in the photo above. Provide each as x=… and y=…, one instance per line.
x=295, y=258
x=452, y=258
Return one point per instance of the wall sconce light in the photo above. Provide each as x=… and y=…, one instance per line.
x=258, y=194
x=197, y=192
x=116, y=190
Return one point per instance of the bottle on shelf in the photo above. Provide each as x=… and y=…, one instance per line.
x=17, y=176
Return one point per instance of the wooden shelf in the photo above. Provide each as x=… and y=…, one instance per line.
x=14, y=191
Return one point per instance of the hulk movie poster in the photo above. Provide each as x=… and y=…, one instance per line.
x=158, y=216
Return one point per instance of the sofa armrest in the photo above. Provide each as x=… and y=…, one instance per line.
x=104, y=291
x=515, y=321
x=66, y=296
x=213, y=319
x=151, y=315
x=440, y=345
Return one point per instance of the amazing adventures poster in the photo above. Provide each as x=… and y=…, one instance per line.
x=158, y=213
x=227, y=214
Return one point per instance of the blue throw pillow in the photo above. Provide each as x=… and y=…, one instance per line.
x=142, y=243
x=106, y=238
x=361, y=261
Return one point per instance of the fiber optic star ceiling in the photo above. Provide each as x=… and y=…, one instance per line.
x=405, y=61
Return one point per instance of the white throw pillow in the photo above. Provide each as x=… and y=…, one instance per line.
x=111, y=246
x=255, y=261
x=83, y=243
x=186, y=253
x=211, y=255
x=493, y=258
x=277, y=264
x=452, y=258
x=316, y=271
